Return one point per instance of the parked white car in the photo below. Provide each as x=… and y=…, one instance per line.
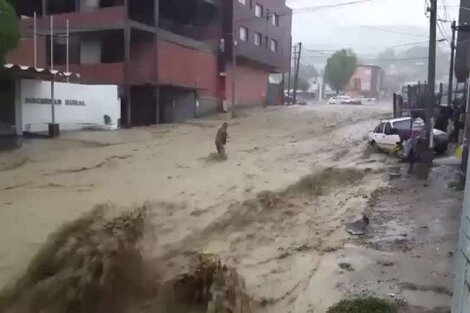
x=390, y=132
x=344, y=100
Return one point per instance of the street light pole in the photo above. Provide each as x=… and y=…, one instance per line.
x=451, y=69
x=35, y=40
x=52, y=70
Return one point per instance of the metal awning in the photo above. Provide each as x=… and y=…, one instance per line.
x=27, y=71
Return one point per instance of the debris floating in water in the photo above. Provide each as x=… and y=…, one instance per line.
x=358, y=227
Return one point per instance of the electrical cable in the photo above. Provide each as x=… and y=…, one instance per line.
x=394, y=32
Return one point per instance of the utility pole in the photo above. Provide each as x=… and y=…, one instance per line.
x=290, y=74
x=296, y=82
x=430, y=97
x=451, y=69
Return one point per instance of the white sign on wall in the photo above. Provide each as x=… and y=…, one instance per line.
x=76, y=105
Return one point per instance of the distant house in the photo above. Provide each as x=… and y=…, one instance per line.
x=366, y=81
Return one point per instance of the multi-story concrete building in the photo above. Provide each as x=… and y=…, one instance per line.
x=462, y=60
x=171, y=58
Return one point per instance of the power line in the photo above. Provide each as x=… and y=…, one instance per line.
x=300, y=10
x=394, y=32
x=455, y=7
x=312, y=9
x=415, y=43
x=379, y=59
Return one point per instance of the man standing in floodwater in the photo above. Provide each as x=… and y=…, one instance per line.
x=221, y=140
x=417, y=140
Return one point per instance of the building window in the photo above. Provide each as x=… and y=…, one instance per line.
x=273, y=45
x=243, y=33
x=268, y=14
x=259, y=10
x=258, y=39
x=242, y=2
x=266, y=42
x=275, y=19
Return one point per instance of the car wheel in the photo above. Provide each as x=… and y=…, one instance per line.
x=441, y=149
x=374, y=146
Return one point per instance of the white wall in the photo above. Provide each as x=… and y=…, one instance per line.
x=95, y=102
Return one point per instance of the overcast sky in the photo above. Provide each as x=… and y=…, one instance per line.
x=308, y=27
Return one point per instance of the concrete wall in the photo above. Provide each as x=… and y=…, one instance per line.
x=143, y=69
x=251, y=86
x=370, y=78
x=461, y=301
x=244, y=15
x=187, y=67
x=76, y=105
x=24, y=53
x=207, y=105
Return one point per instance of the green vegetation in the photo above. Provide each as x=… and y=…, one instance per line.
x=363, y=305
x=9, y=34
x=339, y=69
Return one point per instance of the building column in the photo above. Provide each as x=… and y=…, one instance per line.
x=18, y=108
x=44, y=7
x=156, y=18
x=127, y=73
x=157, y=103
x=155, y=57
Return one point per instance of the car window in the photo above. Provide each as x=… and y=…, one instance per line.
x=402, y=125
x=388, y=129
x=380, y=128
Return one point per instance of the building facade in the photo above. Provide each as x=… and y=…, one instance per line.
x=172, y=59
x=367, y=81
x=462, y=58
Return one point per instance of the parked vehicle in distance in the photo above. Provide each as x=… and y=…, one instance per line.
x=369, y=100
x=391, y=132
x=344, y=100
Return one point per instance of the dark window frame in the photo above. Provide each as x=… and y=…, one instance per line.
x=246, y=33
x=275, y=19
x=273, y=45
x=260, y=37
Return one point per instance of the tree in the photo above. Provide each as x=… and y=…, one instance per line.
x=9, y=34
x=302, y=84
x=307, y=71
x=339, y=69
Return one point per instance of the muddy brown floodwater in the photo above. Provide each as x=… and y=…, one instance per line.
x=272, y=215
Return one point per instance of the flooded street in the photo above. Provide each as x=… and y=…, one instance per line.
x=275, y=210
